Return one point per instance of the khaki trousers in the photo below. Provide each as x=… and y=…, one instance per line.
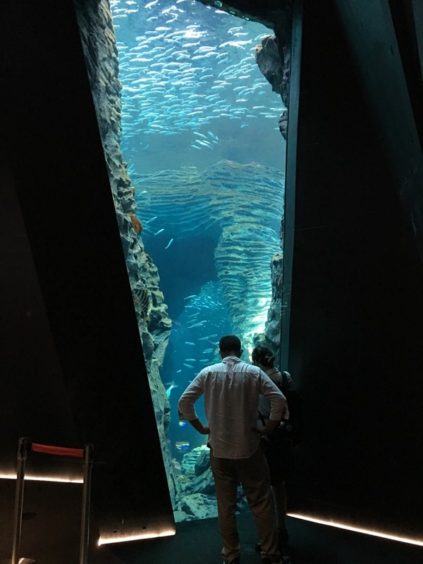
x=253, y=474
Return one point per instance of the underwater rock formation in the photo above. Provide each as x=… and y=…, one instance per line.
x=273, y=56
x=271, y=13
x=270, y=64
x=239, y=207
x=274, y=63
x=99, y=45
x=198, y=499
x=195, y=506
x=272, y=332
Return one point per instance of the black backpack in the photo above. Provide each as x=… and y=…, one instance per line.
x=292, y=432
x=293, y=428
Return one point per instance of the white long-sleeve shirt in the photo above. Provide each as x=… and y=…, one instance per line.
x=231, y=392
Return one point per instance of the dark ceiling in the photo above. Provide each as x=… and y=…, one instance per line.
x=268, y=12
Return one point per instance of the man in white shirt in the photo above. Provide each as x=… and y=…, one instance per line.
x=231, y=391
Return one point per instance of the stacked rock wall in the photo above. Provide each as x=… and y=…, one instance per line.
x=99, y=45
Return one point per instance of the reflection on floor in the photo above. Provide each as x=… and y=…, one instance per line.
x=51, y=536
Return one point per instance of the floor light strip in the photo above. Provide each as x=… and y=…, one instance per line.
x=35, y=478
x=135, y=536
x=363, y=530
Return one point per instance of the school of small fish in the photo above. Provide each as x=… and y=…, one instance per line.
x=187, y=71
x=181, y=71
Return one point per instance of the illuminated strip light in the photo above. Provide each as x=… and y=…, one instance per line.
x=135, y=537
x=34, y=478
x=345, y=526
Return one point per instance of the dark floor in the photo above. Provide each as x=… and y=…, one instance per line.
x=51, y=536
x=198, y=543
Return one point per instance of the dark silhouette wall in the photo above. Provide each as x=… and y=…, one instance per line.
x=33, y=390
x=357, y=280
x=73, y=369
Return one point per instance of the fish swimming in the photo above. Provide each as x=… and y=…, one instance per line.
x=170, y=242
x=182, y=446
x=199, y=324
x=169, y=389
x=155, y=56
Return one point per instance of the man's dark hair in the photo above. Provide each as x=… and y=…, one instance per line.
x=230, y=343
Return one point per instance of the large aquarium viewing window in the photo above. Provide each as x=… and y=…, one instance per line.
x=201, y=139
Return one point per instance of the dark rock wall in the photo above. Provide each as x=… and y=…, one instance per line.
x=272, y=13
x=99, y=44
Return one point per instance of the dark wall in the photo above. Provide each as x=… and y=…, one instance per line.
x=63, y=257
x=357, y=279
x=33, y=400
x=408, y=22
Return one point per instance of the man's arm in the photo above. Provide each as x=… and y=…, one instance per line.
x=269, y=427
x=198, y=426
x=186, y=409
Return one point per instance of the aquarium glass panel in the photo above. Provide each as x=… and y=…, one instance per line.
x=203, y=148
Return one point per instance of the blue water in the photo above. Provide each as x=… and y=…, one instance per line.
x=200, y=135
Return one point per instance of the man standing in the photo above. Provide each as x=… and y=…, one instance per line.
x=231, y=391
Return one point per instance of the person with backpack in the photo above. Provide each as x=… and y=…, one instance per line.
x=278, y=445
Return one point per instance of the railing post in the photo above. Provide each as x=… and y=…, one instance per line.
x=85, y=454
x=85, y=517
x=19, y=497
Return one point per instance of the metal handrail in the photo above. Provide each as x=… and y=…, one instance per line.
x=85, y=454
